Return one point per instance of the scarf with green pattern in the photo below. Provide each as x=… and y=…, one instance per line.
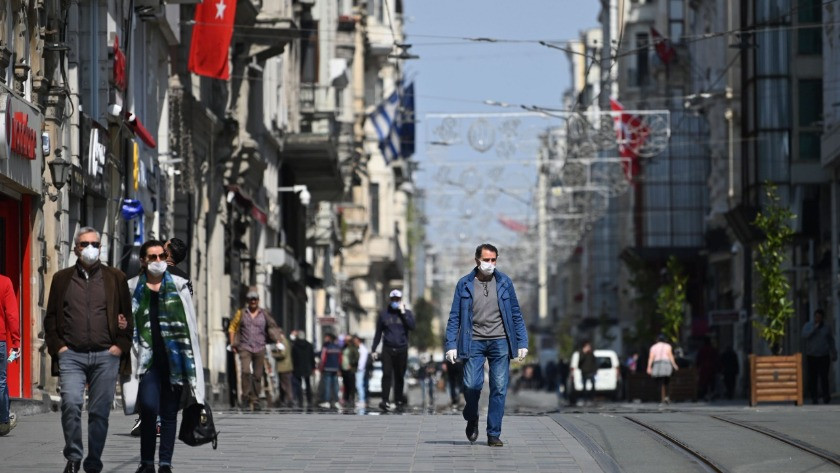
x=173, y=329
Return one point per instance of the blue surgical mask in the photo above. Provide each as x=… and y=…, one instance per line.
x=395, y=305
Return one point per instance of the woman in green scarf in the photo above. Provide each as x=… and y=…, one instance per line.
x=168, y=358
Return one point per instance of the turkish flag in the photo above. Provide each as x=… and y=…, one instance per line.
x=211, y=38
x=664, y=49
x=632, y=133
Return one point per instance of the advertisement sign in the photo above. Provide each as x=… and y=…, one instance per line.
x=20, y=129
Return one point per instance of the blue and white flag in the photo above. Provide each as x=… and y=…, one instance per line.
x=384, y=120
x=407, y=121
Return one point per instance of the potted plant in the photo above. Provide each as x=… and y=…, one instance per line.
x=774, y=377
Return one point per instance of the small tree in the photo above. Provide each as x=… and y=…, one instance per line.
x=422, y=336
x=671, y=299
x=772, y=303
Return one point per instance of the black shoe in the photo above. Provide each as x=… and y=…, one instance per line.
x=145, y=468
x=494, y=442
x=472, y=430
x=384, y=406
x=135, y=431
x=73, y=466
x=164, y=469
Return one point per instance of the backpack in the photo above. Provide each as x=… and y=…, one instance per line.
x=197, y=427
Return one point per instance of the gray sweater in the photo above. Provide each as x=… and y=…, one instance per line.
x=818, y=340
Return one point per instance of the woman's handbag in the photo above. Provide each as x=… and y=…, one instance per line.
x=197, y=427
x=661, y=369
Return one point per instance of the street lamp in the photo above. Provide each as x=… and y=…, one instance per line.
x=60, y=170
x=298, y=189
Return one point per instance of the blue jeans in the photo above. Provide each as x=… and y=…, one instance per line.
x=156, y=396
x=99, y=371
x=360, y=386
x=4, y=387
x=496, y=352
x=330, y=387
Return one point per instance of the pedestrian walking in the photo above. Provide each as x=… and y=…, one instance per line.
x=330, y=366
x=820, y=351
x=588, y=366
x=88, y=329
x=729, y=367
x=282, y=354
x=303, y=356
x=176, y=251
x=661, y=364
x=167, y=350
x=392, y=327
x=9, y=330
x=485, y=323
x=349, y=365
x=250, y=329
x=454, y=380
x=707, y=369
x=361, y=371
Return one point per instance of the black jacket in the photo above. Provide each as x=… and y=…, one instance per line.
x=392, y=327
x=303, y=357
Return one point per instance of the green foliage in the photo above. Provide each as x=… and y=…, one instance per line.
x=645, y=282
x=564, y=339
x=670, y=300
x=422, y=336
x=772, y=303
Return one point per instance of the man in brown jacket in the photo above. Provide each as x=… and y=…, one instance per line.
x=88, y=330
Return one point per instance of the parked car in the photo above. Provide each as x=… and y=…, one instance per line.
x=607, y=379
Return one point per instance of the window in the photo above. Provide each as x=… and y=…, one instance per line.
x=675, y=25
x=810, y=95
x=309, y=52
x=642, y=76
x=809, y=39
x=374, y=208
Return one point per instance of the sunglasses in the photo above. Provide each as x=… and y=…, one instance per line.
x=84, y=244
x=160, y=257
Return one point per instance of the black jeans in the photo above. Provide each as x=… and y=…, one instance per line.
x=818, y=374
x=298, y=383
x=394, y=361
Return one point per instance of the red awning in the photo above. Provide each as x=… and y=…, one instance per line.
x=139, y=130
x=245, y=201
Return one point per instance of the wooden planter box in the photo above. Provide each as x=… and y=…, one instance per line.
x=776, y=379
x=683, y=386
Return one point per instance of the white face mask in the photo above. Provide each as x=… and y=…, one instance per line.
x=293, y=337
x=89, y=255
x=486, y=267
x=156, y=268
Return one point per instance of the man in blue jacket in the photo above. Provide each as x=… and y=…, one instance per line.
x=485, y=322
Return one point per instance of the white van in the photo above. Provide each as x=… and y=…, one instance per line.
x=607, y=379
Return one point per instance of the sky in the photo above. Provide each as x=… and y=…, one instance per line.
x=456, y=76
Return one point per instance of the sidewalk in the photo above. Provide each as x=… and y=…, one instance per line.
x=270, y=441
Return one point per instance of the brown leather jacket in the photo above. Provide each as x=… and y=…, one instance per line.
x=118, y=302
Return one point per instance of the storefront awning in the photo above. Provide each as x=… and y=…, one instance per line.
x=245, y=201
x=139, y=130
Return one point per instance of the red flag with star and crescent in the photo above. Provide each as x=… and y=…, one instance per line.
x=631, y=133
x=211, y=36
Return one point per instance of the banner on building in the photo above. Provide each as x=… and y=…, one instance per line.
x=211, y=37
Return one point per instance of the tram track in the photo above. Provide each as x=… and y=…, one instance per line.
x=694, y=455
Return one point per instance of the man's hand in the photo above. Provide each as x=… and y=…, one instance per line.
x=122, y=322
x=280, y=346
x=62, y=349
x=523, y=352
x=115, y=350
x=375, y=356
x=451, y=356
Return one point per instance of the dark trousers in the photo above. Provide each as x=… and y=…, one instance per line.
x=348, y=378
x=818, y=374
x=588, y=386
x=299, y=383
x=394, y=362
x=157, y=397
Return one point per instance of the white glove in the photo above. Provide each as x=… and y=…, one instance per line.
x=280, y=346
x=451, y=355
x=523, y=352
x=374, y=356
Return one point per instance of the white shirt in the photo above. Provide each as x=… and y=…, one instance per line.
x=363, y=356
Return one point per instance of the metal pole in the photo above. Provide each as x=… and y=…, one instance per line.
x=542, y=230
x=835, y=287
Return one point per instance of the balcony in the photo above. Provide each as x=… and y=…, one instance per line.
x=385, y=253
x=266, y=32
x=318, y=101
x=380, y=39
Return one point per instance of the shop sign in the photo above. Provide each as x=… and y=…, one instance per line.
x=327, y=320
x=20, y=129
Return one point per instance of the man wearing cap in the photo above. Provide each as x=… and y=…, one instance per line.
x=249, y=330
x=392, y=327
x=485, y=323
